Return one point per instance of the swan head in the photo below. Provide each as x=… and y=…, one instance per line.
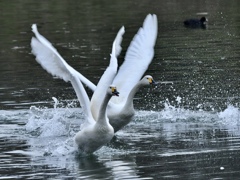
x=146, y=80
x=113, y=90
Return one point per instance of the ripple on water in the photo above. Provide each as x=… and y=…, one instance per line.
x=44, y=137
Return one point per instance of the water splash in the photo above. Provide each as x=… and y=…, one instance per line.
x=46, y=122
x=230, y=118
x=176, y=113
x=56, y=102
x=53, y=129
x=230, y=113
x=171, y=113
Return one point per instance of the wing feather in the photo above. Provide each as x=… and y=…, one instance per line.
x=51, y=60
x=108, y=76
x=53, y=63
x=138, y=57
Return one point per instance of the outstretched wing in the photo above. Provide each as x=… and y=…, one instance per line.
x=138, y=57
x=53, y=63
x=108, y=76
x=51, y=60
x=83, y=99
x=118, y=40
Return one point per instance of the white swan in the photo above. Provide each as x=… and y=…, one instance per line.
x=138, y=57
x=92, y=137
x=95, y=132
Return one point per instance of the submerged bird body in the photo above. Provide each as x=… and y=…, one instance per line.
x=196, y=23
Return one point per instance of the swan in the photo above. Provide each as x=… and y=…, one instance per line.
x=92, y=137
x=94, y=133
x=138, y=57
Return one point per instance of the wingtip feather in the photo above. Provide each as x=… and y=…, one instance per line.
x=122, y=30
x=150, y=20
x=118, y=40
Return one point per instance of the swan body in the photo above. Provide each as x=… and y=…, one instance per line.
x=122, y=113
x=94, y=133
x=92, y=137
x=139, y=55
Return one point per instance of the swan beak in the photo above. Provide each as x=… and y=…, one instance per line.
x=115, y=92
x=151, y=81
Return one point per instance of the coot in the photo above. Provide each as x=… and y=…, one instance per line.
x=196, y=23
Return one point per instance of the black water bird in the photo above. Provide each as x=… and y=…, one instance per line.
x=196, y=23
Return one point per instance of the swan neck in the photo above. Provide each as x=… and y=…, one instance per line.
x=102, y=111
x=132, y=94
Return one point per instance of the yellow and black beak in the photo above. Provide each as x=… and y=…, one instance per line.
x=114, y=91
x=151, y=81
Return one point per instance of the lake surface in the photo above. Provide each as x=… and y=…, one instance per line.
x=187, y=128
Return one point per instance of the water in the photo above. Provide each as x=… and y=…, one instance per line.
x=187, y=129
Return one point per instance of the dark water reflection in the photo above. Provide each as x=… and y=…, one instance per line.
x=190, y=129
x=203, y=64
